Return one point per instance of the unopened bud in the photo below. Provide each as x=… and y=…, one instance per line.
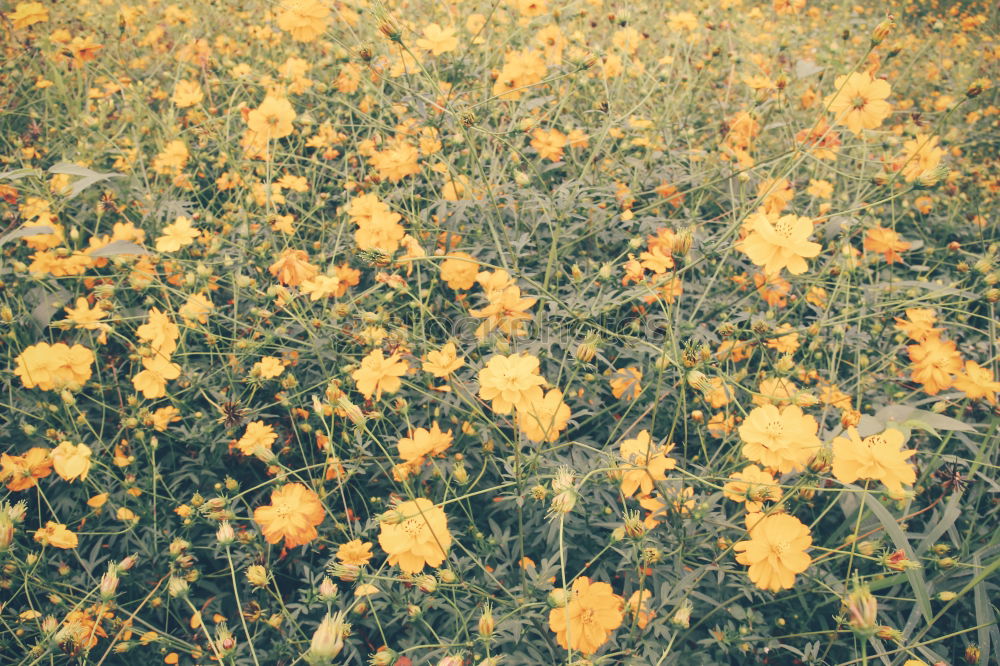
x=225, y=534
x=862, y=610
x=558, y=598
x=328, y=640
x=327, y=590
x=177, y=587
x=486, y=622
x=682, y=616
x=257, y=575
x=882, y=30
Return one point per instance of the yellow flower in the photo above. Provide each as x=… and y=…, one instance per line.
x=399, y=160
x=177, y=235
x=292, y=267
x=378, y=374
x=879, y=457
x=776, y=551
x=638, y=605
x=159, y=332
x=921, y=156
x=977, y=382
x=187, y=93
x=267, y=367
x=197, y=308
x=549, y=144
x=22, y=472
x=257, y=435
x=586, y=622
x=56, y=534
x=27, y=14
x=379, y=231
x=293, y=515
x=172, y=158
x=304, y=20
x=934, y=362
x=885, y=242
x=782, y=439
x=272, y=119
x=443, y=362
x=779, y=242
x=754, y=486
x=417, y=535
x=438, y=40
x=71, y=461
x=645, y=464
x=510, y=381
x=152, y=380
x=321, y=286
x=859, y=101
x=55, y=366
x=506, y=310
x=459, y=270
x=543, y=418
x=423, y=442
x=627, y=383
x=355, y=553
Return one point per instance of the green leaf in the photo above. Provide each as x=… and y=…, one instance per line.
x=88, y=177
x=35, y=230
x=915, y=576
x=119, y=247
x=17, y=174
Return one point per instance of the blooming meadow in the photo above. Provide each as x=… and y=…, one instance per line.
x=480, y=332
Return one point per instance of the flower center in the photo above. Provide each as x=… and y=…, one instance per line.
x=859, y=102
x=780, y=547
x=587, y=616
x=774, y=429
x=283, y=510
x=783, y=229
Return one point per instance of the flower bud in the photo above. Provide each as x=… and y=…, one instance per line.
x=862, y=610
x=327, y=590
x=972, y=654
x=328, y=640
x=177, y=587
x=226, y=535
x=427, y=584
x=109, y=583
x=447, y=576
x=6, y=531
x=558, y=598
x=882, y=30
x=486, y=622
x=384, y=657
x=682, y=616
x=257, y=575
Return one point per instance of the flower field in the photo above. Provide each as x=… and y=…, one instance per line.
x=480, y=332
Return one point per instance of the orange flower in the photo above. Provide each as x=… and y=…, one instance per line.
x=885, y=242
x=586, y=622
x=55, y=366
x=549, y=144
x=934, y=362
x=71, y=461
x=177, y=235
x=645, y=463
x=257, y=435
x=776, y=551
x=878, y=457
x=543, y=418
x=415, y=534
x=26, y=14
x=753, y=486
x=55, y=534
x=627, y=383
x=779, y=242
x=293, y=514
x=355, y=553
x=459, y=270
x=272, y=119
x=304, y=20
x=977, y=382
x=510, y=381
x=783, y=439
x=423, y=442
x=443, y=362
x=23, y=472
x=859, y=101
x=293, y=268
x=378, y=374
